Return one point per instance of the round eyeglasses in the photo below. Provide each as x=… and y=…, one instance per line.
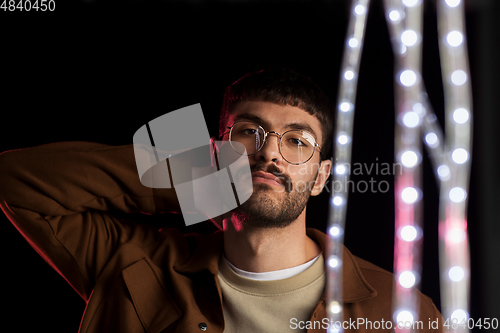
x=295, y=146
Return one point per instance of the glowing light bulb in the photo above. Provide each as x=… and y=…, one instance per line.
x=452, y=3
x=457, y=194
x=408, y=233
x=409, y=159
x=353, y=42
x=408, y=78
x=460, y=115
x=342, y=139
x=411, y=119
x=443, y=172
x=409, y=195
x=405, y=318
x=349, y=75
x=359, y=9
x=432, y=140
x=407, y=279
x=345, y=106
x=458, y=77
x=460, y=156
x=403, y=48
x=335, y=231
x=418, y=108
x=394, y=15
x=456, y=273
x=409, y=37
x=335, y=307
x=454, y=38
x=337, y=200
x=460, y=315
x=455, y=235
x=333, y=261
x=411, y=3
x=340, y=169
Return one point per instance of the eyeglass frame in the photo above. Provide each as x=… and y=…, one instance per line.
x=280, y=136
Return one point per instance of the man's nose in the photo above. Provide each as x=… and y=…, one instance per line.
x=270, y=150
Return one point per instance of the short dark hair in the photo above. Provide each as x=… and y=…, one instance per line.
x=284, y=86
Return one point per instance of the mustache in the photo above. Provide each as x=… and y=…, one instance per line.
x=273, y=169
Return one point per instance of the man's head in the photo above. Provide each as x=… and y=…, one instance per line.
x=287, y=109
x=282, y=86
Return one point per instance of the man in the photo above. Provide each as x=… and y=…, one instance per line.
x=263, y=273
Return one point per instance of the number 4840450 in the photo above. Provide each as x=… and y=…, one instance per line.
x=481, y=323
x=28, y=5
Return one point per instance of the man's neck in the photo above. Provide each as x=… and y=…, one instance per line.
x=268, y=249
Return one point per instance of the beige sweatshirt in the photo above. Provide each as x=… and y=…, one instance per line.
x=269, y=306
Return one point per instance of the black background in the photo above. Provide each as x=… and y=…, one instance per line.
x=98, y=70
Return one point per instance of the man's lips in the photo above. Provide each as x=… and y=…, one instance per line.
x=266, y=177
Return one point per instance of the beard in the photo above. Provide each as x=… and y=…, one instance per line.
x=263, y=210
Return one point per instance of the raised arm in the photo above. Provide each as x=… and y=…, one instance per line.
x=59, y=197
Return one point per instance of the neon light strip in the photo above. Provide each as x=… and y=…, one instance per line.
x=343, y=146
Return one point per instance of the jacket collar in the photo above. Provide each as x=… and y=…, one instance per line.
x=206, y=257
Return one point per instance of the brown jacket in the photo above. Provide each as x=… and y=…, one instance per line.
x=134, y=277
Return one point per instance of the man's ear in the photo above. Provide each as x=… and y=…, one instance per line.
x=323, y=174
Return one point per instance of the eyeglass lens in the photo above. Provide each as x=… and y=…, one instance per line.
x=296, y=146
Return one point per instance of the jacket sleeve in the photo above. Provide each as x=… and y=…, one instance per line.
x=59, y=196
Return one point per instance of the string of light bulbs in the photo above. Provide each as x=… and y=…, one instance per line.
x=455, y=169
x=405, y=23
x=343, y=146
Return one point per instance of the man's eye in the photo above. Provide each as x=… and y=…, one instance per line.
x=248, y=131
x=297, y=142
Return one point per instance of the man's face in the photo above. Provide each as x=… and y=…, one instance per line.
x=280, y=189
